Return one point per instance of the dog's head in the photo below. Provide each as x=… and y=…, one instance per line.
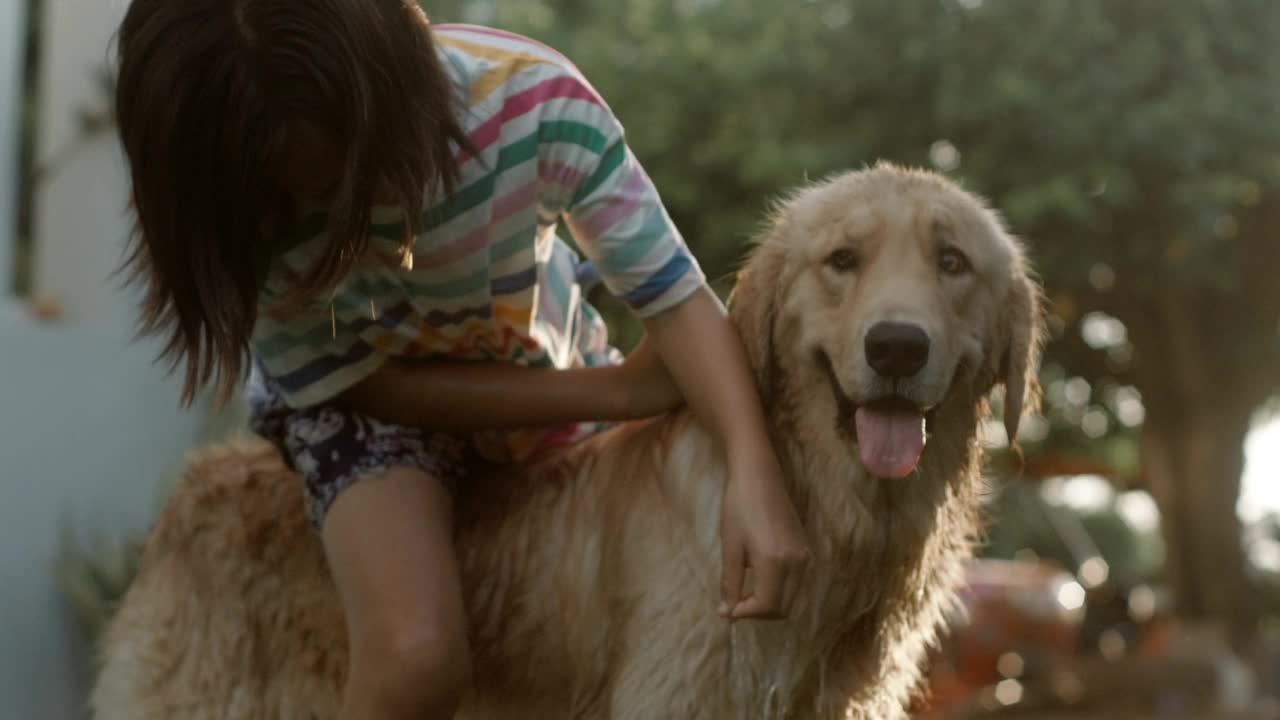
x=882, y=292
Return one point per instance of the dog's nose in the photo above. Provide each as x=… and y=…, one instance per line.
x=897, y=350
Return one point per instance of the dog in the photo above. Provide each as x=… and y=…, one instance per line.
x=879, y=309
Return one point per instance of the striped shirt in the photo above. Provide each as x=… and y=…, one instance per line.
x=489, y=278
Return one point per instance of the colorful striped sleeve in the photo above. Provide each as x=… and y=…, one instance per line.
x=610, y=205
x=319, y=352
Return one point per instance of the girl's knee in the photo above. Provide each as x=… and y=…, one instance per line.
x=425, y=671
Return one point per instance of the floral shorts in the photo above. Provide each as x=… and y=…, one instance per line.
x=332, y=447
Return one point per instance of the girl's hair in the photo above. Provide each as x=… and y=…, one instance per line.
x=209, y=96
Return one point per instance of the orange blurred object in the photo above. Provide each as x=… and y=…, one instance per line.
x=1018, y=616
x=46, y=308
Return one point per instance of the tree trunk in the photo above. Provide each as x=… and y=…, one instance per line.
x=1200, y=403
x=1193, y=458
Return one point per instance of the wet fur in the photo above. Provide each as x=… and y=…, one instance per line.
x=592, y=576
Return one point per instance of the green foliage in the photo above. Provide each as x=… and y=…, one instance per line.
x=1119, y=132
x=1022, y=520
x=94, y=577
x=1066, y=113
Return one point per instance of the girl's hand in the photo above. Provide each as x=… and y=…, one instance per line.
x=760, y=531
x=646, y=388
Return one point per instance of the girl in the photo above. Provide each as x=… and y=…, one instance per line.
x=363, y=207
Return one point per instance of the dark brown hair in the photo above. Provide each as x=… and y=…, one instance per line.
x=209, y=96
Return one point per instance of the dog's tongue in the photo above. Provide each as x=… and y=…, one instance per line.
x=890, y=440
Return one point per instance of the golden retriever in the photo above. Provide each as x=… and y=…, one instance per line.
x=879, y=309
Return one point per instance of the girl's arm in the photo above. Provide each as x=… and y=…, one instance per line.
x=470, y=397
x=619, y=222
x=760, y=528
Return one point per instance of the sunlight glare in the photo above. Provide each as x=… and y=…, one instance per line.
x=1260, y=488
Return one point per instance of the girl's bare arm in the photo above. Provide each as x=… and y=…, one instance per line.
x=469, y=397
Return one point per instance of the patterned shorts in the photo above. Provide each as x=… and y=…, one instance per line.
x=332, y=447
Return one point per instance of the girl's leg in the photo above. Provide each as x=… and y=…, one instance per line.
x=389, y=543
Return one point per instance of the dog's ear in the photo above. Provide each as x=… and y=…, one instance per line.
x=1022, y=330
x=753, y=307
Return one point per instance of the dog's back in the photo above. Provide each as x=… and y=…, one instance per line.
x=233, y=613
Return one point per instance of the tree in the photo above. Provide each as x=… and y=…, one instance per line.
x=1149, y=179
x=1133, y=144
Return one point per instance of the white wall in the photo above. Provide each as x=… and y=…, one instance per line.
x=90, y=438
x=90, y=430
x=81, y=219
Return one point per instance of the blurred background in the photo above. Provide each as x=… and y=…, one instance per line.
x=1133, y=565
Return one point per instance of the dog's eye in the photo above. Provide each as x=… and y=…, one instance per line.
x=953, y=262
x=843, y=260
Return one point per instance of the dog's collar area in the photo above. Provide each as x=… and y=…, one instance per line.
x=846, y=407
